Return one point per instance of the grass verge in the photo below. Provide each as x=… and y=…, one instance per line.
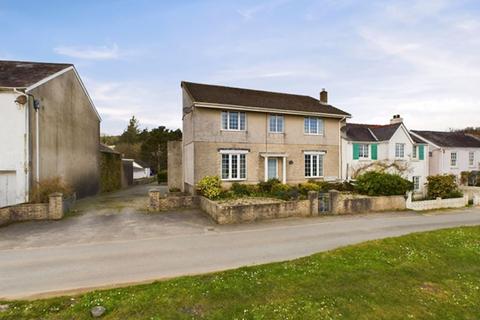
x=432, y=275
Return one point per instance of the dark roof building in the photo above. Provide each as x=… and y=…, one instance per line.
x=449, y=139
x=213, y=94
x=20, y=74
x=370, y=132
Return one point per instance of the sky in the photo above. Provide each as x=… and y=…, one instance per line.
x=419, y=59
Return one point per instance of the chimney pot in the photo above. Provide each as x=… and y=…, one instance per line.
x=396, y=119
x=324, y=96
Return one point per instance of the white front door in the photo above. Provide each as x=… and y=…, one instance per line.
x=8, y=188
x=272, y=168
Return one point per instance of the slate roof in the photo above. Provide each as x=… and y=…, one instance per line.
x=369, y=132
x=450, y=139
x=260, y=99
x=21, y=74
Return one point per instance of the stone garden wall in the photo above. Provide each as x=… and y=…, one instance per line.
x=438, y=203
x=53, y=210
x=348, y=203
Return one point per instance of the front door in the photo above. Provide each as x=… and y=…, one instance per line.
x=272, y=168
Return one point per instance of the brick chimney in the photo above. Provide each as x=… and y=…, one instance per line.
x=324, y=96
x=396, y=119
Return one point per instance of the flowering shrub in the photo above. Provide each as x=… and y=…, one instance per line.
x=210, y=187
x=375, y=183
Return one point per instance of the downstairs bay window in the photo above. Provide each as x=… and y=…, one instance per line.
x=234, y=165
x=314, y=164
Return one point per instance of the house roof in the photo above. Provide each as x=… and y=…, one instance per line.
x=370, y=132
x=106, y=149
x=449, y=139
x=142, y=163
x=205, y=93
x=22, y=74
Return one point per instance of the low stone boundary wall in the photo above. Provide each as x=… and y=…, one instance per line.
x=171, y=201
x=229, y=214
x=53, y=210
x=348, y=203
x=144, y=180
x=438, y=203
x=471, y=192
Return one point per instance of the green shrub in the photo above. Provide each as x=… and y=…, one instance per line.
x=244, y=190
x=442, y=186
x=305, y=187
x=162, y=176
x=266, y=187
x=375, y=183
x=326, y=186
x=285, y=191
x=210, y=187
x=174, y=190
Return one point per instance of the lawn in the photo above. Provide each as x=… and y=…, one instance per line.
x=432, y=275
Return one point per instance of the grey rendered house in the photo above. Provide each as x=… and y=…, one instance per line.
x=49, y=128
x=250, y=136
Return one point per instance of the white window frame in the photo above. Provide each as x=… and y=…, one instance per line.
x=415, y=152
x=276, y=117
x=231, y=154
x=453, y=160
x=228, y=114
x=318, y=155
x=471, y=159
x=399, y=147
x=416, y=183
x=320, y=126
x=362, y=147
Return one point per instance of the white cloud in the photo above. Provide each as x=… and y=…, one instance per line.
x=89, y=53
x=251, y=12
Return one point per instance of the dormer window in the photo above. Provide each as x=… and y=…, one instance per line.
x=233, y=120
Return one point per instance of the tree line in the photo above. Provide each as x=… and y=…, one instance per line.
x=149, y=146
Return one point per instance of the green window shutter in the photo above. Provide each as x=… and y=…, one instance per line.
x=421, y=152
x=356, y=151
x=374, y=151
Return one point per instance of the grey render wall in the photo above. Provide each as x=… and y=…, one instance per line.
x=69, y=135
x=175, y=167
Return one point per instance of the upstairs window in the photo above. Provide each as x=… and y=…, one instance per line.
x=414, y=152
x=399, y=150
x=363, y=151
x=471, y=158
x=313, y=125
x=275, y=123
x=233, y=120
x=453, y=159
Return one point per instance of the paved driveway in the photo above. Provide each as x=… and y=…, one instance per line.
x=119, y=244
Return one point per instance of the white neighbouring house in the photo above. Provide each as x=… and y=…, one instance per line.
x=391, y=147
x=451, y=152
x=141, y=170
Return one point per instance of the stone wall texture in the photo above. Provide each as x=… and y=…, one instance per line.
x=346, y=203
x=54, y=210
x=230, y=214
x=171, y=201
x=175, y=166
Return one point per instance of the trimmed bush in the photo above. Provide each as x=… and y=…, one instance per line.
x=42, y=190
x=325, y=186
x=443, y=186
x=285, y=191
x=244, y=190
x=375, y=183
x=267, y=186
x=304, y=188
x=210, y=187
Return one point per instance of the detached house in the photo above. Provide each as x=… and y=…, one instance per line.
x=451, y=152
x=49, y=128
x=250, y=135
x=390, y=147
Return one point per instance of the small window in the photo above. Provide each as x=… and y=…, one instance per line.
x=313, y=165
x=414, y=152
x=233, y=120
x=234, y=166
x=471, y=158
x=276, y=123
x=313, y=125
x=399, y=150
x=363, y=151
x=430, y=154
x=416, y=183
x=453, y=159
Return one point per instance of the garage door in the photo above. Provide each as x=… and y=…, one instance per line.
x=7, y=188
